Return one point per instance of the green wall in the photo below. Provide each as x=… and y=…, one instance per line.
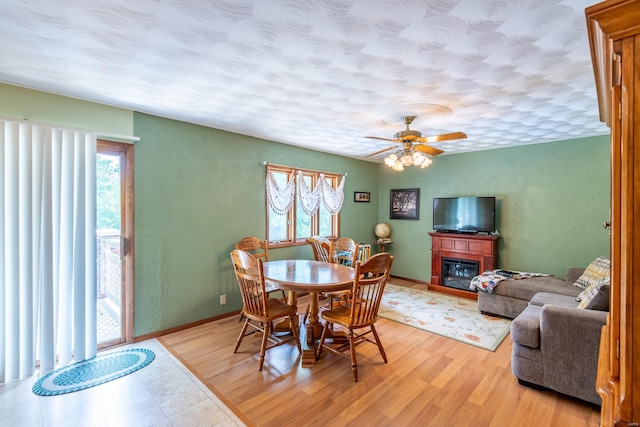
x=21, y=103
x=551, y=202
x=198, y=190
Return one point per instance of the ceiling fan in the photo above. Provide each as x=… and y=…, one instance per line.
x=412, y=146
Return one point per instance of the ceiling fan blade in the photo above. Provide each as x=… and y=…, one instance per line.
x=382, y=151
x=443, y=137
x=382, y=139
x=432, y=151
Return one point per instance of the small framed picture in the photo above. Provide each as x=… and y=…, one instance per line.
x=405, y=204
x=361, y=196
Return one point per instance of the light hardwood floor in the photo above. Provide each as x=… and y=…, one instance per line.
x=429, y=381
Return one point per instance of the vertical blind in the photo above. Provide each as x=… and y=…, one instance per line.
x=47, y=248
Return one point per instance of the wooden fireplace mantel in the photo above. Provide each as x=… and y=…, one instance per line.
x=474, y=247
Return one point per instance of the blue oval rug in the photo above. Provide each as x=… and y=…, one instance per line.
x=93, y=372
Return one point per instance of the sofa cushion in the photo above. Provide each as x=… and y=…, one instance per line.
x=598, y=269
x=501, y=305
x=596, y=297
x=542, y=298
x=574, y=273
x=525, y=329
x=525, y=289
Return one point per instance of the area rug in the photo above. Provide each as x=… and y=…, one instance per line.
x=451, y=317
x=93, y=372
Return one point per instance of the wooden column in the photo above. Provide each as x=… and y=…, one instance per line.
x=614, y=36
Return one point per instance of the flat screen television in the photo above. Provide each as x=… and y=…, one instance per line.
x=464, y=214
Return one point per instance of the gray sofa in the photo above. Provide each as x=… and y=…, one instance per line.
x=511, y=297
x=556, y=344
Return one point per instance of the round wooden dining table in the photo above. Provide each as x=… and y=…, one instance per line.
x=313, y=277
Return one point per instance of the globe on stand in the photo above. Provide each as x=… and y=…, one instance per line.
x=383, y=231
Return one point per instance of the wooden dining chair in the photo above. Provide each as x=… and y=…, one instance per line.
x=256, y=247
x=343, y=251
x=260, y=310
x=361, y=312
x=259, y=249
x=321, y=248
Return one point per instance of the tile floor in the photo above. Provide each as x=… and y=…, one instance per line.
x=164, y=393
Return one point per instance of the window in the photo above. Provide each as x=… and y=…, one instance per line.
x=295, y=226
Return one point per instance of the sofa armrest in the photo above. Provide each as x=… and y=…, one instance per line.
x=570, y=342
x=574, y=273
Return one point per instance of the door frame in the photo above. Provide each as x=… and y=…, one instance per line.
x=125, y=151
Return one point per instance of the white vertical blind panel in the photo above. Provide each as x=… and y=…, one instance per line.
x=25, y=243
x=3, y=239
x=39, y=140
x=11, y=331
x=90, y=253
x=46, y=294
x=78, y=275
x=56, y=208
x=65, y=307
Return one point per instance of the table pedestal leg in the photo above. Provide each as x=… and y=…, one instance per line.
x=309, y=332
x=314, y=320
x=312, y=332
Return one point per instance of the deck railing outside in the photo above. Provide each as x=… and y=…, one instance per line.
x=109, y=282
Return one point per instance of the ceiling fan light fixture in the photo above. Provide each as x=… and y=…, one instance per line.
x=391, y=160
x=406, y=159
x=412, y=148
x=426, y=163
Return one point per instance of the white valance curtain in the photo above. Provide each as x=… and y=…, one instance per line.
x=309, y=198
x=47, y=248
x=332, y=199
x=281, y=198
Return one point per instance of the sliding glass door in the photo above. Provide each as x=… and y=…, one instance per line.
x=114, y=199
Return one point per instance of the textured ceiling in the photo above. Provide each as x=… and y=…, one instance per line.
x=321, y=74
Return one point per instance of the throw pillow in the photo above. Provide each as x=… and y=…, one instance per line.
x=596, y=297
x=598, y=269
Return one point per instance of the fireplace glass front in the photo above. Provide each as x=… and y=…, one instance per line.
x=457, y=273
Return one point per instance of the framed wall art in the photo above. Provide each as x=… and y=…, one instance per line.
x=361, y=196
x=405, y=204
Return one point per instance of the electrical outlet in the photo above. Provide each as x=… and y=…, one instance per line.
x=223, y=299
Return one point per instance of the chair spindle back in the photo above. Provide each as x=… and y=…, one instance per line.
x=344, y=251
x=321, y=248
x=366, y=294
x=250, y=274
x=256, y=247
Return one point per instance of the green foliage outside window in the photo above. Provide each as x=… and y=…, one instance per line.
x=108, y=191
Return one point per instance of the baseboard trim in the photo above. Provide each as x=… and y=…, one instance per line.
x=158, y=334
x=409, y=280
